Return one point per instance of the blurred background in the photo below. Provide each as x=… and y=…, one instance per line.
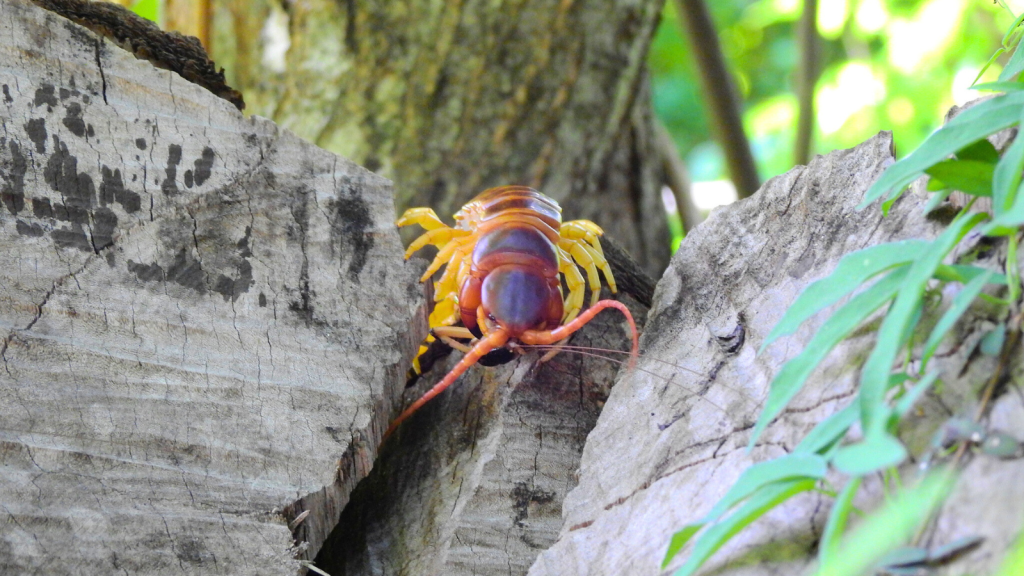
x=872, y=65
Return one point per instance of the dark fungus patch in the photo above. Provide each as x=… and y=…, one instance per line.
x=203, y=166
x=36, y=130
x=112, y=190
x=104, y=223
x=349, y=229
x=522, y=496
x=7, y=95
x=72, y=236
x=46, y=94
x=41, y=208
x=61, y=173
x=26, y=229
x=73, y=120
x=140, y=143
x=12, y=194
x=169, y=186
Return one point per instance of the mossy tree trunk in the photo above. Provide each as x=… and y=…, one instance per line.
x=449, y=98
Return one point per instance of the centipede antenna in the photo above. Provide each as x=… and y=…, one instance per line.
x=489, y=342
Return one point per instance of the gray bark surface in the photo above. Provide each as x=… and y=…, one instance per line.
x=450, y=98
x=672, y=438
x=205, y=320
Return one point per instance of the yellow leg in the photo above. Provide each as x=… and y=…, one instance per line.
x=425, y=217
x=438, y=237
x=574, y=281
x=582, y=230
x=583, y=258
x=444, y=256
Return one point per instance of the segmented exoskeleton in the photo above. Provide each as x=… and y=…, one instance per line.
x=504, y=261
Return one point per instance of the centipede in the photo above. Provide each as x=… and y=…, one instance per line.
x=504, y=263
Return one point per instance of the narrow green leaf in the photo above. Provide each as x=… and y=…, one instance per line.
x=1007, y=222
x=887, y=528
x=875, y=374
x=1013, y=269
x=992, y=343
x=875, y=452
x=964, y=273
x=1013, y=66
x=982, y=151
x=1006, y=178
x=853, y=270
x=938, y=198
x=961, y=302
x=764, y=500
x=836, y=523
x=907, y=401
x=793, y=466
x=794, y=373
x=970, y=176
x=999, y=86
x=829, y=430
x=973, y=124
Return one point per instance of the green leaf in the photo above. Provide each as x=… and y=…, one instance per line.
x=1013, y=66
x=964, y=273
x=992, y=343
x=969, y=126
x=999, y=86
x=836, y=523
x=938, y=198
x=853, y=270
x=790, y=467
x=982, y=151
x=970, y=176
x=1006, y=178
x=764, y=500
x=829, y=430
x=961, y=302
x=878, y=451
x=887, y=528
x=794, y=373
x=906, y=402
x=1007, y=222
x=891, y=336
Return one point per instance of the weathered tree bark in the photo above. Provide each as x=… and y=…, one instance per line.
x=206, y=321
x=672, y=438
x=449, y=98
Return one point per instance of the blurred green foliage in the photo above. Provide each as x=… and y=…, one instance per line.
x=149, y=9
x=885, y=65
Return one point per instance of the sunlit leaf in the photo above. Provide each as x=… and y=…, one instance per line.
x=969, y=176
x=969, y=126
x=1006, y=178
x=891, y=336
x=999, y=86
x=887, y=528
x=965, y=273
x=837, y=517
x=829, y=430
x=961, y=302
x=853, y=270
x=1014, y=65
x=875, y=452
x=794, y=373
x=982, y=151
x=756, y=506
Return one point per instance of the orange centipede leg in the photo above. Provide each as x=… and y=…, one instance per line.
x=493, y=340
x=563, y=332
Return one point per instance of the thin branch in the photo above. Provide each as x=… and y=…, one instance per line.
x=721, y=94
x=677, y=178
x=806, y=79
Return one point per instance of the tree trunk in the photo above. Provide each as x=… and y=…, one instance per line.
x=206, y=320
x=450, y=98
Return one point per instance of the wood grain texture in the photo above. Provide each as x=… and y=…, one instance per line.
x=205, y=320
x=450, y=98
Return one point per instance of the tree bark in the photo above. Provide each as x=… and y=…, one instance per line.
x=447, y=99
x=206, y=321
